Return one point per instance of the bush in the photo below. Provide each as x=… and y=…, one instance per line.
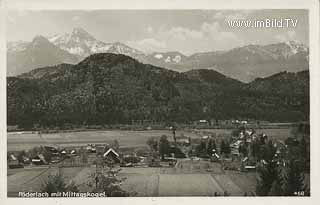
x=56, y=183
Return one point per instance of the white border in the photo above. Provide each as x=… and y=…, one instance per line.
x=311, y=5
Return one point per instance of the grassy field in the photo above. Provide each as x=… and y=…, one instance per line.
x=20, y=141
x=191, y=179
x=188, y=185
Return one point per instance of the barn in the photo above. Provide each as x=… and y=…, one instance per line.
x=112, y=155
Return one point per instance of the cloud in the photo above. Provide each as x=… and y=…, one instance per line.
x=287, y=36
x=232, y=15
x=76, y=18
x=148, y=45
x=11, y=20
x=209, y=37
x=149, y=29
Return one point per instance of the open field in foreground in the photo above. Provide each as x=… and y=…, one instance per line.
x=19, y=141
x=193, y=179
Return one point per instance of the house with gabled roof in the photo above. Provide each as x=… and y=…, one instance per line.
x=111, y=154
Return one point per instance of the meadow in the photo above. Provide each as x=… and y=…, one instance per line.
x=17, y=141
x=144, y=181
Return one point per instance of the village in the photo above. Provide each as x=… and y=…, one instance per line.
x=235, y=150
x=231, y=161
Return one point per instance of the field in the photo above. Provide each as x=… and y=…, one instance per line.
x=191, y=179
x=19, y=141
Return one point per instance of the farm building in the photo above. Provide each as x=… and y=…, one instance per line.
x=112, y=155
x=91, y=148
x=73, y=152
x=13, y=162
x=38, y=160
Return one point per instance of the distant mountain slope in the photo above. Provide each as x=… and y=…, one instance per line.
x=46, y=72
x=248, y=62
x=283, y=82
x=23, y=57
x=243, y=63
x=213, y=77
x=111, y=88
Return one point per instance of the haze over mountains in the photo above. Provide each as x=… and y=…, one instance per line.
x=244, y=63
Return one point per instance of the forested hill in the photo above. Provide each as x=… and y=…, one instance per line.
x=113, y=88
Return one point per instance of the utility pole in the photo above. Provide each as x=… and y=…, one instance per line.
x=174, y=135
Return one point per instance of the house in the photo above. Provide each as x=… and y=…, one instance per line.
x=202, y=122
x=38, y=160
x=205, y=137
x=91, y=148
x=13, y=162
x=245, y=159
x=73, y=152
x=13, y=158
x=249, y=168
x=112, y=155
x=244, y=122
x=215, y=157
x=26, y=160
x=235, y=147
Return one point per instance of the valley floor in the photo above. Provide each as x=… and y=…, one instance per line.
x=187, y=178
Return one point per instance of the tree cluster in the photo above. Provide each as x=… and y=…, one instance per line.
x=283, y=174
x=115, y=89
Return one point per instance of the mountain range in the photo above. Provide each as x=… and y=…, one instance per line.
x=24, y=56
x=243, y=63
x=108, y=88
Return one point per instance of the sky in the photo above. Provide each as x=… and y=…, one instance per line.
x=186, y=31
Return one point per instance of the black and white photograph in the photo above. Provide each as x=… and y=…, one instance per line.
x=158, y=103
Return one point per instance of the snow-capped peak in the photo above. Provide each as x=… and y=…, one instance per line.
x=171, y=57
x=79, y=42
x=120, y=48
x=296, y=46
x=177, y=59
x=81, y=33
x=83, y=44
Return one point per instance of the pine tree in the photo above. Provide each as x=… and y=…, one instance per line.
x=222, y=147
x=294, y=177
x=164, y=146
x=210, y=147
x=56, y=183
x=268, y=174
x=105, y=180
x=277, y=188
x=214, y=146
